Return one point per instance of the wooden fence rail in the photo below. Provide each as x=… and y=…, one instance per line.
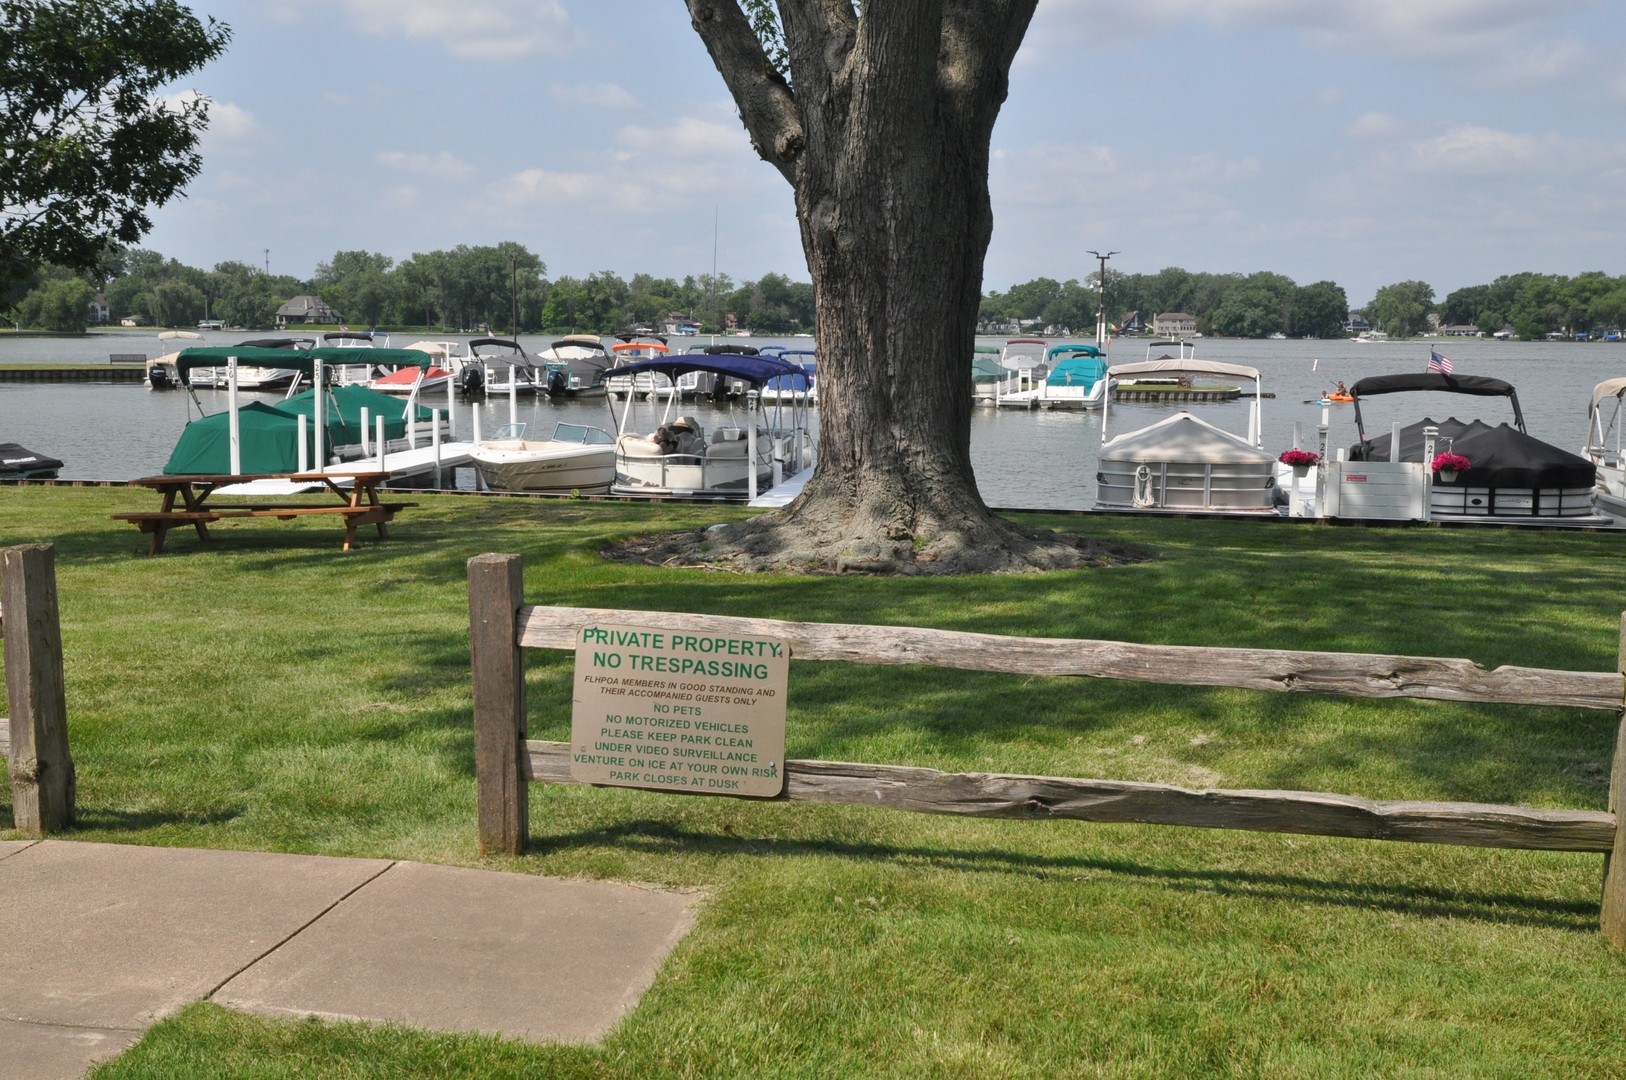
x=502, y=626
x=35, y=738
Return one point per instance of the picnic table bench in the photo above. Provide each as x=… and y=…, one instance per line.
x=359, y=505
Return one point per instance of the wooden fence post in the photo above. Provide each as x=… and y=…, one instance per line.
x=496, y=592
x=42, y=780
x=1613, y=916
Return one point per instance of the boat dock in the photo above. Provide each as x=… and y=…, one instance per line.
x=1154, y=392
x=103, y=373
x=402, y=465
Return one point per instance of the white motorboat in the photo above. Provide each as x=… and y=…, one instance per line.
x=753, y=450
x=645, y=384
x=574, y=459
x=161, y=373
x=1184, y=463
x=574, y=366
x=1603, y=446
x=499, y=366
x=1072, y=377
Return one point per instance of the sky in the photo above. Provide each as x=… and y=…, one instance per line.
x=1363, y=142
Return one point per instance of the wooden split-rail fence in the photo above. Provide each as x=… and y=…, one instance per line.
x=502, y=626
x=35, y=737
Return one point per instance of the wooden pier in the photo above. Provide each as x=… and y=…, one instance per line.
x=103, y=373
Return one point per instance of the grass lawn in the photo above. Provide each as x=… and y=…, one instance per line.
x=270, y=692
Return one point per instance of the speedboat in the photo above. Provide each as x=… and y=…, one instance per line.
x=706, y=384
x=409, y=380
x=1603, y=446
x=361, y=370
x=574, y=366
x=804, y=382
x=1184, y=463
x=270, y=378
x=1511, y=474
x=574, y=459
x=751, y=451
x=645, y=384
x=1073, y=377
x=17, y=463
x=454, y=357
x=499, y=366
x=161, y=374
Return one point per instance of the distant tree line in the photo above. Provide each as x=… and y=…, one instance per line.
x=1528, y=305
x=1232, y=305
x=469, y=287
x=460, y=289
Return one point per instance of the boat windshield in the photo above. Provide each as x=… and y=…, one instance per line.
x=580, y=433
x=509, y=431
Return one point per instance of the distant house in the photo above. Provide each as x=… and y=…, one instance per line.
x=98, y=315
x=1459, y=330
x=307, y=309
x=1133, y=324
x=1174, y=324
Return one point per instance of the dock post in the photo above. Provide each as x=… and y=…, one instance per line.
x=501, y=760
x=42, y=777
x=434, y=443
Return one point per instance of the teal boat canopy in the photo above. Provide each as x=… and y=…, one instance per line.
x=268, y=439
x=1080, y=369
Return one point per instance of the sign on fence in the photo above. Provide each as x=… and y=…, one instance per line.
x=677, y=710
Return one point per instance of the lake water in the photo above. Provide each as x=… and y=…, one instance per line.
x=1041, y=459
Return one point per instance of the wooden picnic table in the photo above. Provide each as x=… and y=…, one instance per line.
x=358, y=504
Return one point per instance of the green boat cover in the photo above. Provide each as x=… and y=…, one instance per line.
x=342, y=413
x=986, y=370
x=268, y=438
x=270, y=434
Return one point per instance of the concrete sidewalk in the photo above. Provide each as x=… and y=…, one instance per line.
x=101, y=940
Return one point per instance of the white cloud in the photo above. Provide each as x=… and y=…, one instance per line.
x=227, y=122
x=1374, y=125
x=443, y=165
x=1481, y=150
x=593, y=95
x=491, y=30
x=691, y=137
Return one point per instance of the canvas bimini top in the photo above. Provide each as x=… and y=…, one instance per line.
x=755, y=370
x=303, y=360
x=1419, y=381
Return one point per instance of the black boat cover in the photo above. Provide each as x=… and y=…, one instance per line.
x=16, y=462
x=1500, y=456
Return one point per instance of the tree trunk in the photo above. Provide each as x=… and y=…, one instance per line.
x=885, y=138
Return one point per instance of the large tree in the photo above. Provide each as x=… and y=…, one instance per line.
x=880, y=119
x=89, y=146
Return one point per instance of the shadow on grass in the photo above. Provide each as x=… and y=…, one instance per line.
x=661, y=838
x=102, y=819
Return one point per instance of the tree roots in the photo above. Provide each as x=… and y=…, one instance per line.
x=815, y=544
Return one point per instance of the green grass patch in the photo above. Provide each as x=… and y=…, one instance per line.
x=270, y=692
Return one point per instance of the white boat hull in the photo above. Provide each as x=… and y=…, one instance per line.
x=545, y=466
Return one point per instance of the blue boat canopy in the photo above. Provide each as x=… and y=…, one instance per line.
x=755, y=370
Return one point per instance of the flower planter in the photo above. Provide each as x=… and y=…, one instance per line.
x=1301, y=471
x=1447, y=476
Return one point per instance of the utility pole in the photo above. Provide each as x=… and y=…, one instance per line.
x=267, y=262
x=513, y=293
x=1101, y=302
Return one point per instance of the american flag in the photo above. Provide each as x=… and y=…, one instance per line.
x=1439, y=363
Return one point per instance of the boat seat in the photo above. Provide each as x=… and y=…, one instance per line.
x=736, y=448
x=638, y=446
